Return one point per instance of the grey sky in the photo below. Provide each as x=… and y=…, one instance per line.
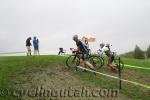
x=123, y=23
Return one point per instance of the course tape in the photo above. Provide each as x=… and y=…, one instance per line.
x=132, y=82
x=136, y=67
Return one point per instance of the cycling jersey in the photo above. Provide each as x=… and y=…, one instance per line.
x=105, y=50
x=82, y=47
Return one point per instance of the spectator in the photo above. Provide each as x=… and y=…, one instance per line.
x=36, y=46
x=28, y=44
x=87, y=46
x=86, y=43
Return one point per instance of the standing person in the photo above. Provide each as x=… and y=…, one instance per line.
x=28, y=44
x=87, y=45
x=36, y=45
x=81, y=47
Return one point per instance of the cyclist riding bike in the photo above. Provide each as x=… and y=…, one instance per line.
x=81, y=47
x=106, y=50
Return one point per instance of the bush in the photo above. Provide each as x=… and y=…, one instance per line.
x=138, y=53
x=128, y=54
x=148, y=52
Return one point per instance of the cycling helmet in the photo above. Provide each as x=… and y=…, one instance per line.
x=102, y=45
x=107, y=45
x=75, y=37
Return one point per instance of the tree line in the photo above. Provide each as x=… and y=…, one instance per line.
x=140, y=54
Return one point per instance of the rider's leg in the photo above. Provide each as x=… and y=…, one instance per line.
x=82, y=63
x=89, y=65
x=86, y=58
x=109, y=65
x=110, y=61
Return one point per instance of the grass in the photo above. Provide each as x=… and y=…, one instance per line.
x=11, y=65
x=10, y=68
x=145, y=63
x=137, y=62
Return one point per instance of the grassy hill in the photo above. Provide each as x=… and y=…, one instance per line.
x=21, y=74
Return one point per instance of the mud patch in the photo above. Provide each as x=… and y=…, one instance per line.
x=55, y=78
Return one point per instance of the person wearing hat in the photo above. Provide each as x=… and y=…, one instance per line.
x=81, y=47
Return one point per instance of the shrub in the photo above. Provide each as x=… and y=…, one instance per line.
x=148, y=52
x=138, y=53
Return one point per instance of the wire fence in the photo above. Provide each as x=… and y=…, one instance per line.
x=114, y=77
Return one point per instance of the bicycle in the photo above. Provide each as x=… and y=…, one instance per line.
x=116, y=60
x=74, y=60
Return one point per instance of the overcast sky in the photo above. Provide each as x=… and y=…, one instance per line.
x=123, y=23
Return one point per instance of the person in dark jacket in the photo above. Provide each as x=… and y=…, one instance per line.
x=81, y=47
x=28, y=44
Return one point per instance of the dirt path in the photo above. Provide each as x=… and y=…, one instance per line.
x=56, y=83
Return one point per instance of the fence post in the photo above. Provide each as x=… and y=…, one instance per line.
x=120, y=75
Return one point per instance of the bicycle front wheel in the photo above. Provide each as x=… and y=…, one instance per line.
x=72, y=61
x=96, y=61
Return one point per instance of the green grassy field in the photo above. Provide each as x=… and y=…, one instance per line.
x=137, y=62
x=145, y=63
x=51, y=71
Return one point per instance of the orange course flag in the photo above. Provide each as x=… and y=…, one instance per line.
x=89, y=38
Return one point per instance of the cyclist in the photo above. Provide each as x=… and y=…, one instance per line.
x=106, y=50
x=81, y=47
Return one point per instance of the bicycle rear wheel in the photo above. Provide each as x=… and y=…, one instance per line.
x=102, y=60
x=96, y=61
x=72, y=61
